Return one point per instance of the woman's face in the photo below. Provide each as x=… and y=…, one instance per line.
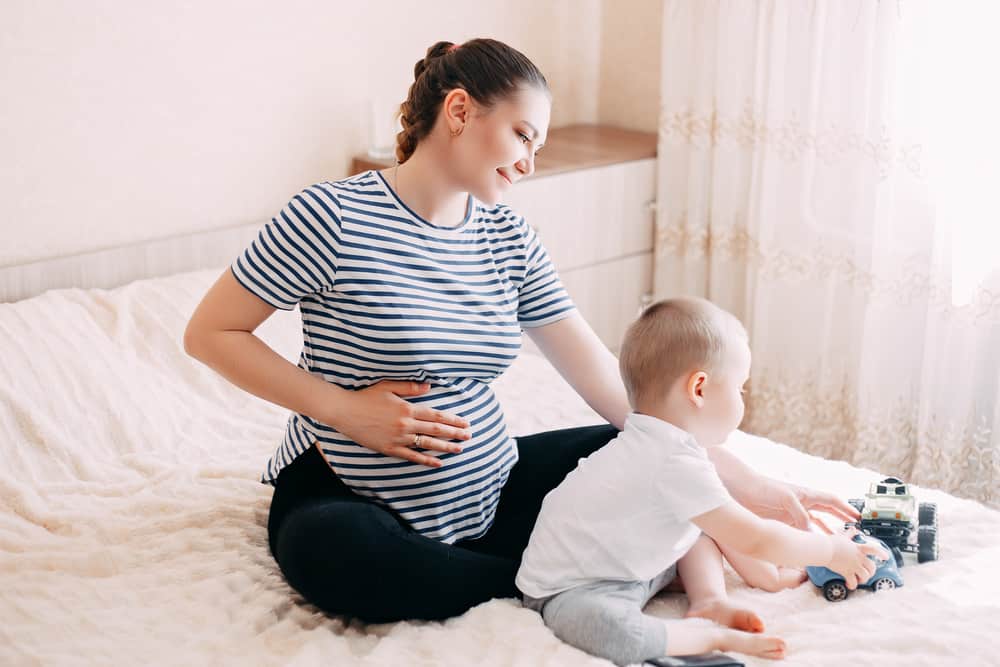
x=497, y=147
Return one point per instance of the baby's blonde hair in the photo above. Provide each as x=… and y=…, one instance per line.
x=673, y=337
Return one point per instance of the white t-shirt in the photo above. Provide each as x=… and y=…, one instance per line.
x=624, y=513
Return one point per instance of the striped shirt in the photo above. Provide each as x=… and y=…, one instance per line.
x=386, y=295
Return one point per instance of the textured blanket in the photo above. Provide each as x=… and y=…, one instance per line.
x=132, y=525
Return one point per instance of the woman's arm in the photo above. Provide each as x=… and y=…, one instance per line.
x=220, y=335
x=587, y=365
x=743, y=482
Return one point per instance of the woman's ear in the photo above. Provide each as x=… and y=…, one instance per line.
x=457, y=105
x=695, y=388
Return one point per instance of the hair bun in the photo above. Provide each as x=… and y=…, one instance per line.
x=439, y=49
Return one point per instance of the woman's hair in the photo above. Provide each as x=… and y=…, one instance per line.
x=673, y=337
x=486, y=69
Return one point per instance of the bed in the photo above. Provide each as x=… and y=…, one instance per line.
x=132, y=524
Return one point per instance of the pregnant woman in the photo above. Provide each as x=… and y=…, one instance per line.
x=399, y=492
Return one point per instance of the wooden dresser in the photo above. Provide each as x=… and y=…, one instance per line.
x=591, y=201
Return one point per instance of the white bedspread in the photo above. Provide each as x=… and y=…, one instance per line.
x=132, y=525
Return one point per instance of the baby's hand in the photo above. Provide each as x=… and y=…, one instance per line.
x=850, y=559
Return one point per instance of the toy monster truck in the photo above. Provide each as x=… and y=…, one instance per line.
x=890, y=513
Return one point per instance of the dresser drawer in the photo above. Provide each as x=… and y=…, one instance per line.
x=590, y=215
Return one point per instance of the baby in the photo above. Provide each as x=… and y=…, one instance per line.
x=649, y=506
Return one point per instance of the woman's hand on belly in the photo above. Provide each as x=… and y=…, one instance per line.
x=379, y=418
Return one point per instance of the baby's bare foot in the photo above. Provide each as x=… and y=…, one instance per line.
x=760, y=645
x=791, y=577
x=725, y=613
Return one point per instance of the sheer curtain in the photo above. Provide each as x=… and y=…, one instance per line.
x=825, y=174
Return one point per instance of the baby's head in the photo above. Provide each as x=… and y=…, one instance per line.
x=685, y=360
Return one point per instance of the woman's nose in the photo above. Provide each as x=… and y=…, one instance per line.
x=526, y=165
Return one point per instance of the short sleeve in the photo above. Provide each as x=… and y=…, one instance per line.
x=542, y=299
x=296, y=253
x=690, y=486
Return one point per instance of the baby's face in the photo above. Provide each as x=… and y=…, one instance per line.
x=723, y=392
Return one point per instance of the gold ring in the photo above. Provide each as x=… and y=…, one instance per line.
x=416, y=439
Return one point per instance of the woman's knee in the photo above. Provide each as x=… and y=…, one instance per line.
x=585, y=440
x=328, y=551
x=548, y=457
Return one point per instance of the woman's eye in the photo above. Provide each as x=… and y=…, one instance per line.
x=524, y=138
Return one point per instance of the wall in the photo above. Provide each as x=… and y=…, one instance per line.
x=630, y=63
x=126, y=122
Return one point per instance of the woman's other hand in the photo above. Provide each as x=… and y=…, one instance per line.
x=791, y=503
x=772, y=499
x=379, y=418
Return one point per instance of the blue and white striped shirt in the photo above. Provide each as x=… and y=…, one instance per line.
x=385, y=295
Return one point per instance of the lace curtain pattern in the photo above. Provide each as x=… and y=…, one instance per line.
x=796, y=190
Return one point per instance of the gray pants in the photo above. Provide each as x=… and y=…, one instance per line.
x=605, y=618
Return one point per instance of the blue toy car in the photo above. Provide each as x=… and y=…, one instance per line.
x=835, y=589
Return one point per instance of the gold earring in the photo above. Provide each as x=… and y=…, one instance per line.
x=457, y=132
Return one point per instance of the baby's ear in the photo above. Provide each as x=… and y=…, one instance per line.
x=695, y=387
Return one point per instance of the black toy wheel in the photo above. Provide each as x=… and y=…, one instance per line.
x=857, y=503
x=884, y=584
x=835, y=590
x=928, y=514
x=927, y=546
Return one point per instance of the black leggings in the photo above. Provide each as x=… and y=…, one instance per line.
x=347, y=555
